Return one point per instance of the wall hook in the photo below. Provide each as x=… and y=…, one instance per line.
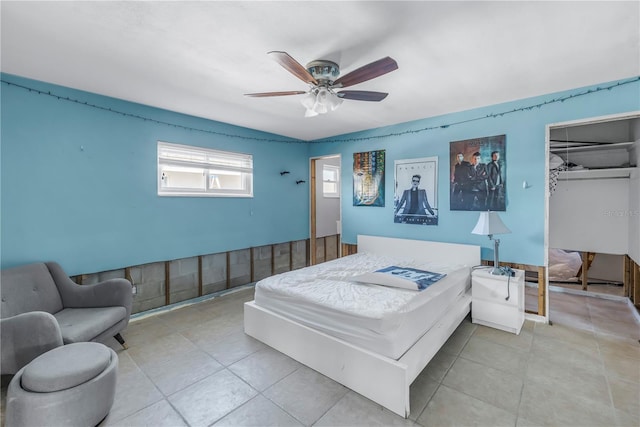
x=284, y=173
x=300, y=181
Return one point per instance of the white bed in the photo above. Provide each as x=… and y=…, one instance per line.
x=370, y=338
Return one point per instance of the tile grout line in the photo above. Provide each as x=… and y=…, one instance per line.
x=166, y=397
x=441, y=381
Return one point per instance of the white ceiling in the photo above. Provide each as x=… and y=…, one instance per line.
x=199, y=58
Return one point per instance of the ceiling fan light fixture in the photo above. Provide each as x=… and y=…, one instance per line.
x=320, y=106
x=310, y=113
x=322, y=97
x=334, y=101
x=309, y=100
x=320, y=101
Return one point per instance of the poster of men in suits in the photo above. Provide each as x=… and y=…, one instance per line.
x=415, y=197
x=478, y=174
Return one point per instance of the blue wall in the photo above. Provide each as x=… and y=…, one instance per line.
x=525, y=149
x=79, y=185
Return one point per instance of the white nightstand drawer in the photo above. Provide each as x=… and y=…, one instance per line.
x=497, y=315
x=495, y=288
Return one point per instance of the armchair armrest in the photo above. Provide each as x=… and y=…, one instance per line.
x=109, y=293
x=25, y=337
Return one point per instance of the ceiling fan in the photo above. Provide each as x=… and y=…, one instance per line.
x=321, y=75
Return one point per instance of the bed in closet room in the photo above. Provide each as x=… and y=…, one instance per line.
x=374, y=339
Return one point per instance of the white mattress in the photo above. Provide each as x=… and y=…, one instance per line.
x=385, y=320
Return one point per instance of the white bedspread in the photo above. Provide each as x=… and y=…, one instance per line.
x=382, y=319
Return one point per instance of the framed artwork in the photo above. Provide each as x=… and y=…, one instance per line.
x=368, y=178
x=416, y=191
x=478, y=174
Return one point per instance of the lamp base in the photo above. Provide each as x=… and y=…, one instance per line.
x=496, y=264
x=497, y=271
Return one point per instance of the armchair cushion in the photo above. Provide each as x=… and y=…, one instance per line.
x=84, y=324
x=25, y=337
x=29, y=288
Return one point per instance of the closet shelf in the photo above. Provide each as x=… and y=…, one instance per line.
x=559, y=147
x=597, y=173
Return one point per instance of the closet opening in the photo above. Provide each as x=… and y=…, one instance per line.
x=593, y=202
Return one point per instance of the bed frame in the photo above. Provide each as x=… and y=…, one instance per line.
x=385, y=381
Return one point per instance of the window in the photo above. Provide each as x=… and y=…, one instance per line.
x=196, y=171
x=330, y=181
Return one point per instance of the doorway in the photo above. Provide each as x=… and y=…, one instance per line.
x=325, y=222
x=591, y=236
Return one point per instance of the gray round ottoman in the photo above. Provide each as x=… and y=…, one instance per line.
x=72, y=385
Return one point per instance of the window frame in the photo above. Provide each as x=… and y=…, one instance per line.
x=336, y=170
x=207, y=160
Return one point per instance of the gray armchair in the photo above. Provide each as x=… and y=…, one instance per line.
x=42, y=308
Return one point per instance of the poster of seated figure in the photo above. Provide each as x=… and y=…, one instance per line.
x=416, y=191
x=478, y=174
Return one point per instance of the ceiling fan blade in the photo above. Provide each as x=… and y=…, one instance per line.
x=285, y=93
x=362, y=95
x=367, y=72
x=293, y=66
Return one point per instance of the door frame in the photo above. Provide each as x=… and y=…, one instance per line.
x=313, y=205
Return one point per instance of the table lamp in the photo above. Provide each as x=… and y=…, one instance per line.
x=489, y=224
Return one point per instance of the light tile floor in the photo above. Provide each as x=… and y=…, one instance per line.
x=194, y=366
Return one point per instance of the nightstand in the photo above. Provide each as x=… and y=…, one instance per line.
x=489, y=305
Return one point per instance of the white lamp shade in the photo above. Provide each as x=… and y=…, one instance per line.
x=310, y=113
x=322, y=106
x=322, y=96
x=319, y=107
x=308, y=100
x=490, y=223
x=334, y=101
